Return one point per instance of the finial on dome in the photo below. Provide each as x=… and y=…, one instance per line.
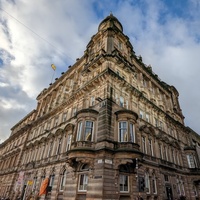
x=111, y=13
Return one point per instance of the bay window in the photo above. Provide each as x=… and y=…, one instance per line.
x=85, y=131
x=126, y=131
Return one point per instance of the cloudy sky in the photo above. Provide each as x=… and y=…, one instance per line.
x=35, y=34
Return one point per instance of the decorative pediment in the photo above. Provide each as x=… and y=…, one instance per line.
x=69, y=127
x=148, y=130
x=59, y=132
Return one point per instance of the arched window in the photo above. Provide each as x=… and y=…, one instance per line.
x=123, y=179
x=83, y=178
x=63, y=180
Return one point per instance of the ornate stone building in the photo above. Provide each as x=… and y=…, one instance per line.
x=107, y=129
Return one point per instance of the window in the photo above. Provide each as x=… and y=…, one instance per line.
x=161, y=125
x=144, y=82
x=83, y=182
x=42, y=129
x=166, y=178
x=50, y=149
x=36, y=132
x=79, y=131
x=147, y=182
x=154, y=186
x=144, y=145
x=178, y=187
x=150, y=147
x=88, y=130
x=123, y=135
x=126, y=104
x=156, y=122
x=59, y=146
x=123, y=178
x=69, y=139
x=165, y=153
x=85, y=133
x=64, y=118
x=195, y=190
x=120, y=46
x=56, y=121
x=123, y=183
x=121, y=101
x=132, y=132
x=191, y=161
x=147, y=117
x=83, y=178
x=126, y=135
x=160, y=150
x=92, y=101
x=182, y=188
x=51, y=182
x=141, y=114
x=74, y=112
x=63, y=180
x=48, y=125
x=173, y=156
x=177, y=158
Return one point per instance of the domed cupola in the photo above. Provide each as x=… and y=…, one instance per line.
x=110, y=22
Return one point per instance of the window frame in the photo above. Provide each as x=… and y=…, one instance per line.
x=82, y=130
x=147, y=182
x=126, y=133
x=124, y=185
x=83, y=179
x=154, y=185
x=62, y=180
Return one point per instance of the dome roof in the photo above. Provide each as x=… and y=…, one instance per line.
x=110, y=22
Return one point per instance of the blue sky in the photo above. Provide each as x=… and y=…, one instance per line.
x=35, y=34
